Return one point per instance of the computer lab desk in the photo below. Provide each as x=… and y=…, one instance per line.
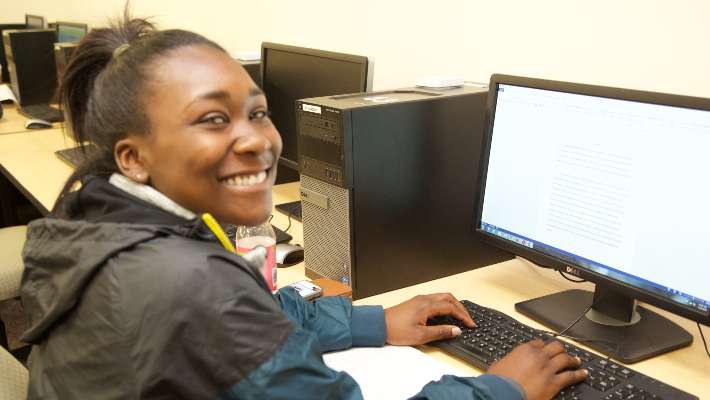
x=28, y=159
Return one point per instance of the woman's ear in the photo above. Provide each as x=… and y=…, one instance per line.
x=131, y=156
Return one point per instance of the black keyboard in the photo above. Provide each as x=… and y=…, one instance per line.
x=74, y=155
x=496, y=334
x=42, y=111
x=292, y=209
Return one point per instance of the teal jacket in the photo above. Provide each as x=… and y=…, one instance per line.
x=128, y=301
x=332, y=323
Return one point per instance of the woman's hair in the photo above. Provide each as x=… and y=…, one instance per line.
x=104, y=88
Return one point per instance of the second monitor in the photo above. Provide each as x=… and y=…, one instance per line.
x=290, y=73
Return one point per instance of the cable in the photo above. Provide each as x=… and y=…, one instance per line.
x=579, y=317
x=703, y=337
x=289, y=222
x=615, y=345
x=570, y=279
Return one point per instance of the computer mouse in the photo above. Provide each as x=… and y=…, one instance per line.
x=37, y=124
x=288, y=254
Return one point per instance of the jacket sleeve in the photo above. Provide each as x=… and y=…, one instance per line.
x=335, y=321
x=486, y=387
x=339, y=325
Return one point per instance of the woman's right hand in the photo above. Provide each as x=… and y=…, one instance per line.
x=541, y=369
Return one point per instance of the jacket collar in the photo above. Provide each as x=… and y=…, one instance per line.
x=150, y=195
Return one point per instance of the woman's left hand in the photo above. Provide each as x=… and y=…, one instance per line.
x=406, y=322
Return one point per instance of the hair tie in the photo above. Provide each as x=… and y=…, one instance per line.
x=120, y=49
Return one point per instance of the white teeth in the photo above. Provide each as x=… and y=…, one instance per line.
x=246, y=180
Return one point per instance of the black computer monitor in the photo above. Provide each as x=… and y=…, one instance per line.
x=5, y=77
x=605, y=184
x=35, y=22
x=70, y=32
x=290, y=73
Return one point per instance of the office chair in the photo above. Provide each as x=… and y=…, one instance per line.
x=14, y=377
x=12, y=239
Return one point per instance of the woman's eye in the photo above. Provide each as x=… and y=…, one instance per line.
x=215, y=120
x=260, y=114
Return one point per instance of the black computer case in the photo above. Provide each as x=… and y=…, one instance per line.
x=389, y=184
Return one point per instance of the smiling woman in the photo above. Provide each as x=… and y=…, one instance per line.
x=131, y=295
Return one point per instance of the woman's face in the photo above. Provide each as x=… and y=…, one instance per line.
x=211, y=146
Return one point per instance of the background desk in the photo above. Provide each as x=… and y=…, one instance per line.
x=28, y=159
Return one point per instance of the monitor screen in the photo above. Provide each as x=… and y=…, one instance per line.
x=34, y=22
x=291, y=73
x=69, y=32
x=604, y=181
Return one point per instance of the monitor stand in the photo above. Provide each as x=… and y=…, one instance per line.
x=629, y=333
x=292, y=209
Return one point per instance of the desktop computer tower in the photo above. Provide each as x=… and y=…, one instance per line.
x=31, y=66
x=389, y=185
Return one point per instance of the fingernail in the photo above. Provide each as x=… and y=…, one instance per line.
x=455, y=331
x=586, y=373
x=579, y=360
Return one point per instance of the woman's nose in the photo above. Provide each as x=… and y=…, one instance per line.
x=250, y=141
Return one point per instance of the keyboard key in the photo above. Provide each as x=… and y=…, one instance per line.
x=625, y=373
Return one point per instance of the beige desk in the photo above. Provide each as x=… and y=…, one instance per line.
x=28, y=158
x=12, y=121
x=28, y=161
x=502, y=285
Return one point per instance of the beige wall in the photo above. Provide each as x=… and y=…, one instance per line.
x=643, y=44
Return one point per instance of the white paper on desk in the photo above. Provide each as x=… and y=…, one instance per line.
x=390, y=372
x=6, y=93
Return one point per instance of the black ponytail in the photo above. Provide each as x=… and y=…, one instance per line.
x=103, y=89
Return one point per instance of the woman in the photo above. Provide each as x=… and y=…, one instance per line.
x=129, y=292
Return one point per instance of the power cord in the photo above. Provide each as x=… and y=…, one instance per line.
x=703, y=337
x=614, y=345
x=579, y=317
x=289, y=222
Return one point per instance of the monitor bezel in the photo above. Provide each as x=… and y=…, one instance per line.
x=72, y=24
x=549, y=261
x=363, y=61
x=28, y=16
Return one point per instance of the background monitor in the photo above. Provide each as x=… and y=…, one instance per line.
x=290, y=73
x=35, y=22
x=70, y=32
x=5, y=77
x=602, y=183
